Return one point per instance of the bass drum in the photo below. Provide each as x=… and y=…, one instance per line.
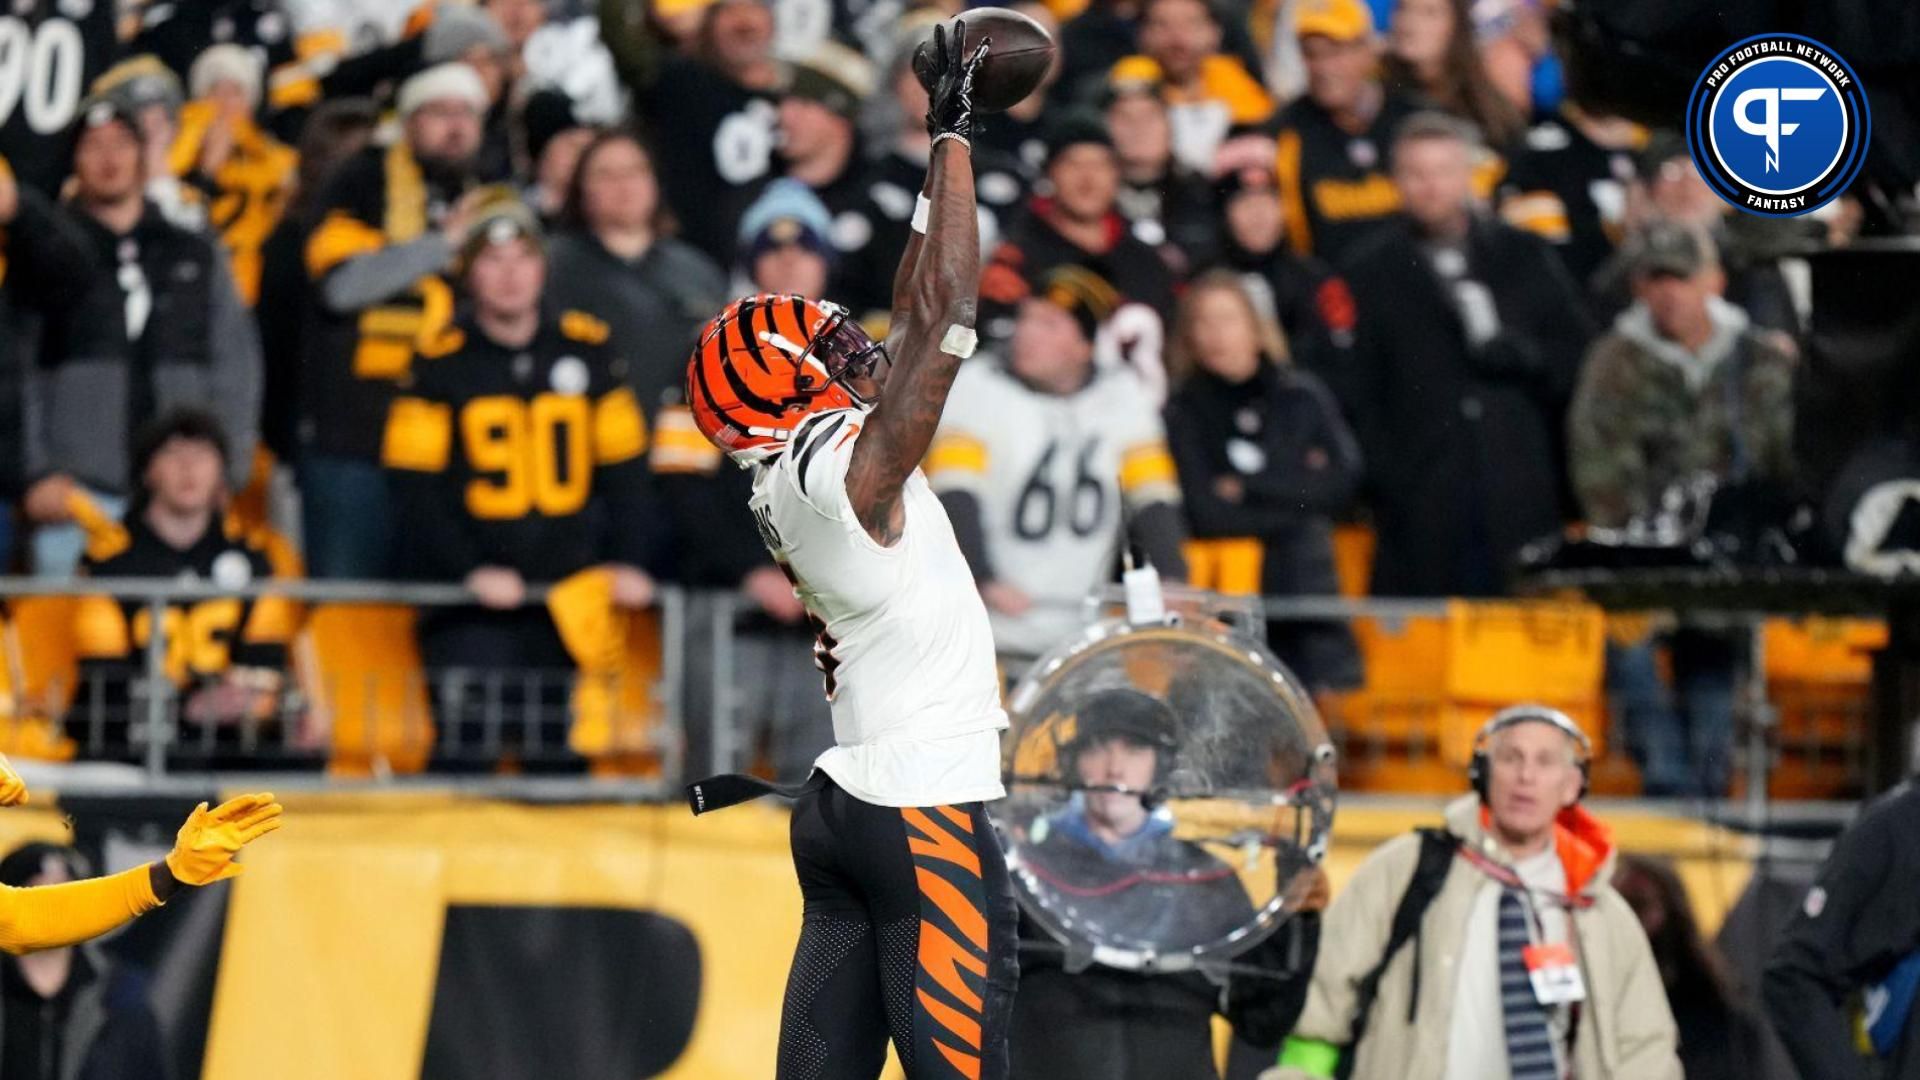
x=1168, y=786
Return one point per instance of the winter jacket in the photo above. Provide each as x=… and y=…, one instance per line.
x=100, y=1027
x=160, y=327
x=45, y=265
x=1463, y=440
x=1625, y=1031
x=1858, y=922
x=654, y=305
x=1280, y=434
x=1648, y=414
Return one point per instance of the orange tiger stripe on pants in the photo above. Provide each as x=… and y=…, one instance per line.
x=909, y=934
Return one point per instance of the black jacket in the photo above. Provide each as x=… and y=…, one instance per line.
x=1109, y=1024
x=1313, y=304
x=1464, y=445
x=653, y=305
x=1280, y=434
x=1032, y=248
x=99, y=1027
x=160, y=326
x=870, y=232
x=1859, y=920
x=45, y=266
x=1334, y=182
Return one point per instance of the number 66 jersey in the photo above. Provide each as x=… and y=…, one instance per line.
x=902, y=636
x=1052, y=474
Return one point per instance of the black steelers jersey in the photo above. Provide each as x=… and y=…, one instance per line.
x=532, y=458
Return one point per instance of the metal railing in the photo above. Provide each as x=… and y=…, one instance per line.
x=688, y=716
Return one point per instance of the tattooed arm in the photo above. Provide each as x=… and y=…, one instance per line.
x=936, y=289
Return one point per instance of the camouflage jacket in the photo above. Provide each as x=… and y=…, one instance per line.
x=1648, y=414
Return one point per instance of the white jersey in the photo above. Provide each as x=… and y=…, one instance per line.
x=1051, y=472
x=903, y=636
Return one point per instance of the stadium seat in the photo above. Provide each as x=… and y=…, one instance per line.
x=638, y=744
x=1432, y=682
x=28, y=729
x=1502, y=653
x=1353, y=558
x=1819, y=680
x=43, y=650
x=362, y=671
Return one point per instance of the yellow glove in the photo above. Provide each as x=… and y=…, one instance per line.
x=203, y=852
x=13, y=790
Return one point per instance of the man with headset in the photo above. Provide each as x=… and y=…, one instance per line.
x=1111, y=859
x=1496, y=947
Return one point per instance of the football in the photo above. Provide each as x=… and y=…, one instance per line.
x=1018, y=55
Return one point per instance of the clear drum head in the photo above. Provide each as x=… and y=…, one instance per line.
x=1168, y=787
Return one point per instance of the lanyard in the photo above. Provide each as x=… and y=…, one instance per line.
x=1506, y=875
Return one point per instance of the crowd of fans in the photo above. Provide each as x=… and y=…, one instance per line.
x=425, y=279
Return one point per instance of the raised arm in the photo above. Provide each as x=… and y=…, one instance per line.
x=935, y=294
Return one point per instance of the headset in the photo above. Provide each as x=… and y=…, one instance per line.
x=1478, y=773
x=1130, y=714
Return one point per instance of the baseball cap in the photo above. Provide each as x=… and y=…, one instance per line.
x=833, y=76
x=109, y=108
x=1133, y=75
x=1341, y=20
x=1128, y=713
x=138, y=82
x=1666, y=248
x=1081, y=293
x=500, y=216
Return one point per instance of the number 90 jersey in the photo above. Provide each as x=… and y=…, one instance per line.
x=1051, y=473
x=50, y=52
x=902, y=635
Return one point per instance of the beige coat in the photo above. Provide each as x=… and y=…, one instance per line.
x=1626, y=1030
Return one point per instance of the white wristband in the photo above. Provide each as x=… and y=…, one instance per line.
x=960, y=341
x=921, y=209
x=956, y=137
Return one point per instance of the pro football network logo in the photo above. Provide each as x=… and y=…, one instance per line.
x=1778, y=125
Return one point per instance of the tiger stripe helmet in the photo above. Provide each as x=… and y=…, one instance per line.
x=768, y=362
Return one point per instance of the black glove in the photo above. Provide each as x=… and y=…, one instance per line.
x=946, y=72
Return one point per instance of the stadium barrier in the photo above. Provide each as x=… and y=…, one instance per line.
x=397, y=935
x=436, y=908
x=356, y=702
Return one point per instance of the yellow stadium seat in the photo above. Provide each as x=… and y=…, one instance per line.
x=636, y=748
x=41, y=640
x=1819, y=681
x=1501, y=652
x=1230, y=566
x=1432, y=682
x=1823, y=650
x=27, y=729
x=1391, y=726
x=1353, y=558
x=361, y=669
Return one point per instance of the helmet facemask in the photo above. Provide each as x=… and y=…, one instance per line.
x=839, y=351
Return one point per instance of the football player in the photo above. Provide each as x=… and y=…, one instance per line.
x=55, y=916
x=909, y=920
